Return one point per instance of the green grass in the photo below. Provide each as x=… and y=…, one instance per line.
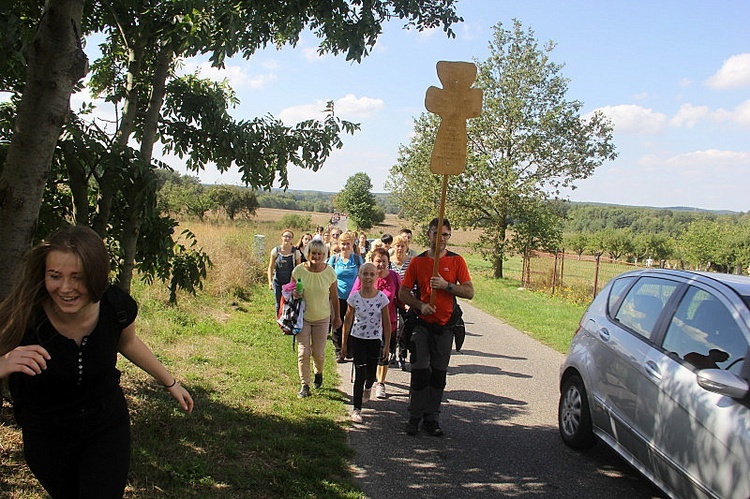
x=548, y=320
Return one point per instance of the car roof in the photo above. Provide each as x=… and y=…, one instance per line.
x=739, y=283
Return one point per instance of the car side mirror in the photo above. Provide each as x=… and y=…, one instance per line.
x=723, y=382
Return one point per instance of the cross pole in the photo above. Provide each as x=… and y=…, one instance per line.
x=454, y=103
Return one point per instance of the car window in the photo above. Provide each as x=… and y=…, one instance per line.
x=615, y=293
x=643, y=304
x=704, y=333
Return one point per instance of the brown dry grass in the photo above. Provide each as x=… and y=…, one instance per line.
x=240, y=257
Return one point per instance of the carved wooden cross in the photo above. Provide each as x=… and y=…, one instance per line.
x=454, y=103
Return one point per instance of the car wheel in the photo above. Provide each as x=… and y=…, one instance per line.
x=574, y=416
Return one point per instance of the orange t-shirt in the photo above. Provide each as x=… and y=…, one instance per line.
x=452, y=267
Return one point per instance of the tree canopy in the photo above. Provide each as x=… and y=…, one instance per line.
x=528, y=144
x=357, y=201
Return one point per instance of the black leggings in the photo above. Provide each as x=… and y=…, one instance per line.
x=366, y=354
x=81, y=455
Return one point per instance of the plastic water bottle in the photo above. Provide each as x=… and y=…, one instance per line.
x=299, y=289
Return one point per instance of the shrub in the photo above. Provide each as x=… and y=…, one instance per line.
x=295, y=221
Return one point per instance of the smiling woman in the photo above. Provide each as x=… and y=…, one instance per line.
x=61, y=329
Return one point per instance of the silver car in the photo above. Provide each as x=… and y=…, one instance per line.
x=658, y=371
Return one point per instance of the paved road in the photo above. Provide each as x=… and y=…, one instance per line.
x=500, y=420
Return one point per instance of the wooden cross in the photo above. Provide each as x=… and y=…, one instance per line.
x=454, y=103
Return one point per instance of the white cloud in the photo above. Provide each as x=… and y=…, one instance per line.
x=347, y=107
x=742, y=113
x=471, y=31
x=706, y=164
x=311, y=54
x=712, y=158
x=237, y=76
x=685, y=82
x=353, y=107
x=689, y=115
x=629, y=118
x=734, y=73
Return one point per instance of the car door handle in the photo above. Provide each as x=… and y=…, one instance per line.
x=653, y=370
x=604, y=334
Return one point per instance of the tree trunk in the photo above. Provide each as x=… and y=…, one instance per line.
x=499, y=256
x=108, y=183
x=56, y=63
x=139, y=198
x=79, y=187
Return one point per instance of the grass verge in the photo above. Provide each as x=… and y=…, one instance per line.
x=548, y=320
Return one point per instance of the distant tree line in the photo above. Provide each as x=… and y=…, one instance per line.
x=696, y=239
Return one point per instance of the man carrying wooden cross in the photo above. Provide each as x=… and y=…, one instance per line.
x=432, y=335
x=438, y=274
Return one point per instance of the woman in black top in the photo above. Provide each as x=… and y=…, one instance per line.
x=61, y=329
x=284, y=258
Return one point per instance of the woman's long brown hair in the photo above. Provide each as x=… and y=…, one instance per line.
x=29, y=292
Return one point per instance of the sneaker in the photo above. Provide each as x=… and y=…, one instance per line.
x=340, y=360
x=318, y=382
x=356, y=416
x=412, y=427
x=304, y=392
x=366, y=395
x=380, y=391
x=433, y=428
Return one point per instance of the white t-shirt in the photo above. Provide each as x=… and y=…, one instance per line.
x=368, y=315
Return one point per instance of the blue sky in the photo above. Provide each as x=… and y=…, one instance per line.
x=674, y=77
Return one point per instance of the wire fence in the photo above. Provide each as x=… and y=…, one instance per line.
x=572, y=277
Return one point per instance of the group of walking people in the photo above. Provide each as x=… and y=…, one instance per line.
x=377, y=309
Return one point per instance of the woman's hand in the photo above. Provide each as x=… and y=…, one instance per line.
x=182, y=396
x=336, y=322
x=29, y=359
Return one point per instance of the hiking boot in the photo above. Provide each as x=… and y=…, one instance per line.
x=318, y=382
x=356, y=416
x=432, y=428
x=304, y=392
x=412, y=427
x=380, y=391
x=366, y=395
